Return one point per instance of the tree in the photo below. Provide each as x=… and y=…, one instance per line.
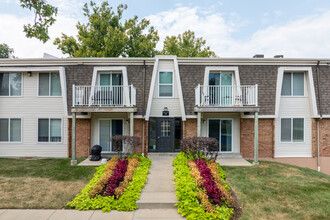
x=104, y=35
x=186, y=45
x=6, y=51
x=43, y=18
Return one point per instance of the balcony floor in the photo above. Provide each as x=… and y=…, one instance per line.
x=103, y=109
x=226, y=109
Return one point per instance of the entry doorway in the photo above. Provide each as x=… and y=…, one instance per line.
x=164, y=134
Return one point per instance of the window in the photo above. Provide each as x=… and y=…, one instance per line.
x=10, y=130
x=292, y=130
x=293, y=84
x=165, y=84
x=10, y=84
x=49, y=130
x=49, y=84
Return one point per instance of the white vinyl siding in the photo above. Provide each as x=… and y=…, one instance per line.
x=293, y=127
x=49, y=84
x=10, y=130
x=10, y=84
x=29, y=108
x=159, y=103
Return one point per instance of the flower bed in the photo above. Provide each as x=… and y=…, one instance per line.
x=201, y=189
x=115, y=186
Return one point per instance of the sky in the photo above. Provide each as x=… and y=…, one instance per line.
x=232, y=28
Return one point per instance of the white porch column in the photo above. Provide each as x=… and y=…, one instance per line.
x=199, y=124
x=255, y=162
x=131, y=124
x=73, y=143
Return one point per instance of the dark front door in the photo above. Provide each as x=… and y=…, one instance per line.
x=165, y=134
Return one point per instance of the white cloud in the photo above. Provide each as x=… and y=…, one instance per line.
x=306, y=37
x=12, y=34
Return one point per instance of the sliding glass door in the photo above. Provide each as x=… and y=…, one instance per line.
x=107, y=129
x=220, y=88
x=221, y=129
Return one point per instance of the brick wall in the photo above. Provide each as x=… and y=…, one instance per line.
x=189, y=128
x=83, y=137
x=266, y=129
x=138, y=132
x=324, y=137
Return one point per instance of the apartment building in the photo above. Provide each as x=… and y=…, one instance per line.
x=274, y=108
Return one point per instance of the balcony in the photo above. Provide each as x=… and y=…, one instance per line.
x=226, y=98
x=103, y=98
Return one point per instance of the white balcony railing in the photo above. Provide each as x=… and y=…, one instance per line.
x=226, y=96
x=104, y=96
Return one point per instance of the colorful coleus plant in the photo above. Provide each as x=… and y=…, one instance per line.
x=209, y=184
x=117, y=176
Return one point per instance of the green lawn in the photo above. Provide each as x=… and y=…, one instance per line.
x=40, y=183
x=280, y=191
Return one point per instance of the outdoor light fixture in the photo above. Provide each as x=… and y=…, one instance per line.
x=29, y=73
x=166, y=112
x=126, y=121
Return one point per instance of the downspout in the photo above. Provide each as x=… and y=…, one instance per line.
x=143, y=108
x=320, y=110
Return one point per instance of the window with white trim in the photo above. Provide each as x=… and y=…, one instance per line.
x=10, y=84
x=165, y=84
x=10, y=130
x=49, y=84
x=293, y=84
x=292, y=129
x=49, y=130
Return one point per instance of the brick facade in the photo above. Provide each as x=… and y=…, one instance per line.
x=324, y=137
x=189, y=128
x=266, y=129
x=83, y=137
x=138, y=132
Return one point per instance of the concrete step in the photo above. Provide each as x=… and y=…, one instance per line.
x=157, y=200
x=229, y=155
x=165, y=154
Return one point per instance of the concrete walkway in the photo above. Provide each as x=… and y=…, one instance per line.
x=233, y=162
x=159, y=192
x=62, y=214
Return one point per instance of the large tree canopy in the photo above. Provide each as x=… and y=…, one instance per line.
x=43, y=18
x=105, y=35
x=186, y=45
x=6, y=51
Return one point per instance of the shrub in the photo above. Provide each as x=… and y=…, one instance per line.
x=195, y=147
x=130, y=144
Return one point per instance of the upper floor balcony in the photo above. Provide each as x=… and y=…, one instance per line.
x=103, y=98
x=219, y=98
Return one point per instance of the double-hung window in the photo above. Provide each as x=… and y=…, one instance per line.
x=49, y=84
x=49, y=130
x=165, y=84
x=292, y=130
x=10, y=130
x=293, y=84
x=10, y=84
